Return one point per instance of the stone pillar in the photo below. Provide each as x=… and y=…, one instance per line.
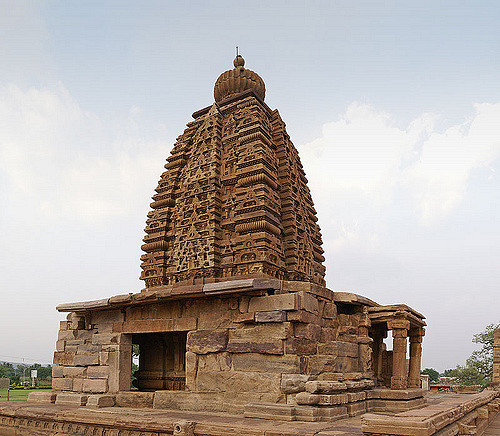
x=399, y=327
x=364, y=345
x=416, y=335
x=378, y=336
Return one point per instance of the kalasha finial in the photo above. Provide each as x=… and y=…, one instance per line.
x=238, y=60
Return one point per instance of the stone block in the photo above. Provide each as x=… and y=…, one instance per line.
x=107, y=316
x=207, y=341
x=64, y=357
x=98, y=401
x=330, y=310
x=309, y=303
x=265, y=363
x=324, y=363
x=238, y=381
x=328, y=334
x=332, y=413
x=356, y=384
x=95, y=386
x=85, y=334
x=104, y=357
x=156, y=325
x=66, y=335
x=195, y=401
x=192, y=369
x=57, y=371
x=248, y=317
x=235, y=402
x=307, y=331
x=214, y=361
x=62, y=384
x=258, y=332
x=71, y=399
x=325, y=387
x=134, y=399
x=355, y=409
x=304, y=317
x=300, y=346
x=76, y=342
x=42, y=397
x=76, y=321
x=281, y=412
x=331, y=376
x=294, y=383
x=271, y=316
x=120, y=363
x=262, y=338
x=274, y=302
x=311, y=288
x=60, y=345
x=74, y=371
x=265, y=347
x=307, y=398
x=86, y=359
x=356, y=396
x=101, y=371
x=78, y=385
x=402, y=394
x=339, y=348
x=106, y=338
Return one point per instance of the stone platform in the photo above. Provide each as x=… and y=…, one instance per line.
x=445, y=414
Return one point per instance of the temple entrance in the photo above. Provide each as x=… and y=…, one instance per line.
x=162, y=361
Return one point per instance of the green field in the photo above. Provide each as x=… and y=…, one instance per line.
x=18, y=394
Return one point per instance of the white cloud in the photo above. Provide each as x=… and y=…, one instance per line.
x=68, y=163
x=364, y=159
x=438, y=179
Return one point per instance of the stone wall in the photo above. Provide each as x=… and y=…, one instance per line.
x=296, y=347
x=89, y=356
x=496, y=360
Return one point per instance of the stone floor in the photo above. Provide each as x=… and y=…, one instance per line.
x=161, y=422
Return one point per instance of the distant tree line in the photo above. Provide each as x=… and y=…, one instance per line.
x=478, y=368
x=16, y=371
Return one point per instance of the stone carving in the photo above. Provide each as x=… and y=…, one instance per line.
x=233, y=201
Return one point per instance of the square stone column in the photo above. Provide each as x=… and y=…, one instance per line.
x=378, y=336
x=399, y=327
x=416, y=335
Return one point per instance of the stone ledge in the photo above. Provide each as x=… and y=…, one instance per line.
x=42, y=397
x=428, y=420
x=227, y=287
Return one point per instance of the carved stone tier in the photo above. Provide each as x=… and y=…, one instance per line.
x=233, y=201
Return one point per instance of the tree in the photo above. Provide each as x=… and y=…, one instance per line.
x=482, y=360
x=467, y=375
x=432, y=373
x=447, y=373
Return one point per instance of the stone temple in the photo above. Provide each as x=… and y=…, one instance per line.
x=235, y=319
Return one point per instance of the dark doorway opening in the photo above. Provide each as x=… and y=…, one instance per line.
x=162, y=361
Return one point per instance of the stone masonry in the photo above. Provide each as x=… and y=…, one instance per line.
x=496, y=360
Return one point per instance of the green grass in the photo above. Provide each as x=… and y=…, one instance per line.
x=18, y=394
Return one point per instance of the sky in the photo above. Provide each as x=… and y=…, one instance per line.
x=394, y=107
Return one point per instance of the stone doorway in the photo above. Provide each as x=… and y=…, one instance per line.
x=162, y=361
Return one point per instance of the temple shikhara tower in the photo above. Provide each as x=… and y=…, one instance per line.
x=235, y=316
x=233, y=201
